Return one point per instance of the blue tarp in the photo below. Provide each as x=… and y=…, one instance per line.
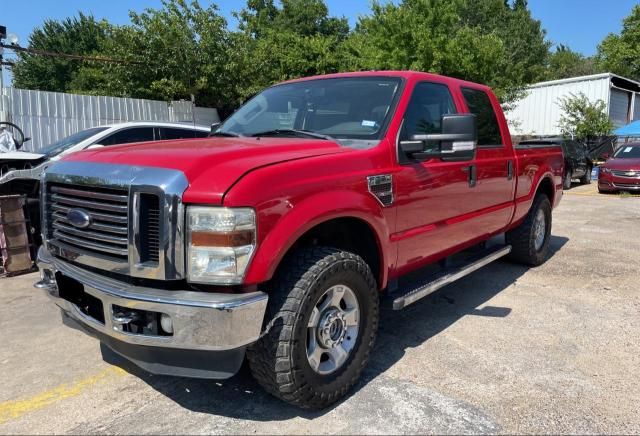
x=631, y=129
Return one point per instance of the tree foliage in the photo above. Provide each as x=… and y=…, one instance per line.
x=619, y=53
x=82, y=34
x=564, y=63
x=279, y=43
x=489, y=41
x=582, y=119
x=182, y=49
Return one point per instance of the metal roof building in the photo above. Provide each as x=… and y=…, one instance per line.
x=539, y=112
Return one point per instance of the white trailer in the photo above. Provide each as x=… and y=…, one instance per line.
x=538, y=113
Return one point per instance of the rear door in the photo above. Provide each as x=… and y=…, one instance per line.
x=574, y=158
x=581, y=156
x=493, y=196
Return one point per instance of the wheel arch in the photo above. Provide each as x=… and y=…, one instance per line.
x=546, y=186
x=359, y=227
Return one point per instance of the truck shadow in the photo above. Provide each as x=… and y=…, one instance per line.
x=242, y=398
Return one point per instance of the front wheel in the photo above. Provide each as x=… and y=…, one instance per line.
x=530, y=240
x=324, y=311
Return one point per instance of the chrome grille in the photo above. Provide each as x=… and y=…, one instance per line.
x=108, y=209
x=630, y=174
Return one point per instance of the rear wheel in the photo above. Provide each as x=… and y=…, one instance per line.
x=530, y=240
x=586, y=179
x=566, y=182
x=323, y=322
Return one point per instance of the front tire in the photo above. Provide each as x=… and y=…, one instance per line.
x=324, y=312
x=530, y=240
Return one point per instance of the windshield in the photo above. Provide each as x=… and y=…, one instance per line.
x=343, y=108
x=69, y=141
x=627, y=152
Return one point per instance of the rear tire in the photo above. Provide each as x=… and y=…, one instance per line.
x=586, y=179
x=315, y=346
x=530, y=240
x=566, y=181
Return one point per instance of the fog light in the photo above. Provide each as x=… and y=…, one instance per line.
x=166, y=323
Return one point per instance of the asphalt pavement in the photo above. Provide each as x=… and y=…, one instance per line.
x=508, y=349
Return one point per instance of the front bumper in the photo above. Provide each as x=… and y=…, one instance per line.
x=210, y=330
x=608, y=182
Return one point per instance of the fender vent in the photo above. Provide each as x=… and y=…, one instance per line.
x=381, y=187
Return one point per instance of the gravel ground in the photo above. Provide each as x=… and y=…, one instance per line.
x=506, y=350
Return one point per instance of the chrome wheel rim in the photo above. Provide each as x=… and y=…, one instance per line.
x=539, y=229
x=332, y=329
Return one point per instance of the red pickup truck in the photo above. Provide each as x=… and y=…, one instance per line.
x=278, y=237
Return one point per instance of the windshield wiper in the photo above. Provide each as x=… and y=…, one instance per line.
x=226, y=134
x=295, y=132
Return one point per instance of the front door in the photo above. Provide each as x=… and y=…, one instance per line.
x=430, y=195
x=443, y=205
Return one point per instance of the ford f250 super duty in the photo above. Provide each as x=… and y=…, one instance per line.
x=278, y=237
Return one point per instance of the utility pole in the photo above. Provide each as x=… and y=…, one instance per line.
x=3, y=35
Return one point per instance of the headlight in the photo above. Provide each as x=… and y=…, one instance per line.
x=605, y=170
x=220, y=243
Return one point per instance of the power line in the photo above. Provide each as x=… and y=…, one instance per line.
x=76, y=57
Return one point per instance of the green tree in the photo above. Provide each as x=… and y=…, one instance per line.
x=619, y=53
x=176, y=51
x=297, y=39
x=565, y=62
x=582, y=119
x=489, y=41
x=77, y=35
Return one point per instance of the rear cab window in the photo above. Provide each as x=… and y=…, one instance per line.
x=479, y=104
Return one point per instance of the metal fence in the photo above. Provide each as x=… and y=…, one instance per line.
x=46, y=117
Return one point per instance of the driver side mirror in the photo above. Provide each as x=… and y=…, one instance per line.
x=458, y=140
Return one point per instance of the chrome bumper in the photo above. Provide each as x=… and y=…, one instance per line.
x=201, y=321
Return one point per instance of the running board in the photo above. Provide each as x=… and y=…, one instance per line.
x=450, y=275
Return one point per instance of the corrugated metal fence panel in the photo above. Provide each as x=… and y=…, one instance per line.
x=46, y=117
x=205, y=116
x=182, y=111
x=539, y=112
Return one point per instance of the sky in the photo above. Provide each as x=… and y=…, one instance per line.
x=580, y=24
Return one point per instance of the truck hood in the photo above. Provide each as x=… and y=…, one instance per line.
x=211, y=165
x=623, y=164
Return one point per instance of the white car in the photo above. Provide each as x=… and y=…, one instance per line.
x=27, y=165
x=20, y=171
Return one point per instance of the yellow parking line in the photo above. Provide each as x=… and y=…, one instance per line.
x=590, y=194
x=16, y=408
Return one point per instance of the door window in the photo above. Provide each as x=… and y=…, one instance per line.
x=429, y=102
x=126, y=136
x=176, y=133
x=479, y=104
